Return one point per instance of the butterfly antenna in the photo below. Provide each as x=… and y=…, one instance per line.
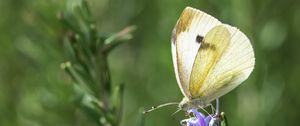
x=176, y=112
x=212, y=108
x=159, y=106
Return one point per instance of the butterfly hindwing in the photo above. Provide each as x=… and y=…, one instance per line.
x=190, y=29
x=235, y=66
x=211, y=50
x=230, y=68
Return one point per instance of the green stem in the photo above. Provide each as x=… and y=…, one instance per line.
x=103, y=74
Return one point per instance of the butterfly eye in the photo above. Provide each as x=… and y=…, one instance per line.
x=199, y=39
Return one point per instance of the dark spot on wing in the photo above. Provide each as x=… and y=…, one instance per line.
x=207, y=46
x=199, y=39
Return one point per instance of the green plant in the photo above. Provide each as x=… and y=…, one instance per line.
x=87, y=65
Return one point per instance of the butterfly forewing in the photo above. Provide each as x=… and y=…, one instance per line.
x=187, y=35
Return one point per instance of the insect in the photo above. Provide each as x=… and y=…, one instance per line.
x=210, y=58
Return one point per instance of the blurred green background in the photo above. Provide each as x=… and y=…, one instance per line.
x=34, y=91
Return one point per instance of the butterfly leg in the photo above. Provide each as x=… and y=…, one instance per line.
x=212, y=108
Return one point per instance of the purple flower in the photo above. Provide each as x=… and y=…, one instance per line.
x=199, y=119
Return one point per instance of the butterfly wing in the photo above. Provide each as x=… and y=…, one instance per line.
x=217, y=72
x=212, y=47
x=192, y=25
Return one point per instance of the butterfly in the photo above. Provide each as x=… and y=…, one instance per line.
x=210, y=58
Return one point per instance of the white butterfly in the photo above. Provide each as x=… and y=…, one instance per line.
x=210, y=58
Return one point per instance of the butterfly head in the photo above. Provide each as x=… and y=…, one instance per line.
x=187, y=104
x=184, y=104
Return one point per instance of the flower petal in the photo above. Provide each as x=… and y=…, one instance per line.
x=199, y=116
x=207, y=120
x=193, y=121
